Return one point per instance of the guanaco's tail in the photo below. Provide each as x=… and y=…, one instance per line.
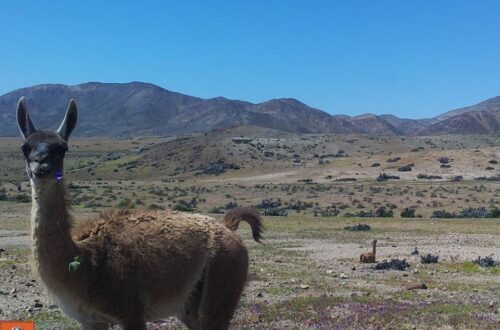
x=233, y=218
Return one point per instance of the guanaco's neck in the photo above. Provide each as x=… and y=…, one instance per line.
x=374, y=247
x=53, y=248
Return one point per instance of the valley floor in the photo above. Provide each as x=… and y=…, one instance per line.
x=307, y=275
x=444, y=201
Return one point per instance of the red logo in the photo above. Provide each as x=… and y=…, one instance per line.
x=17, y=325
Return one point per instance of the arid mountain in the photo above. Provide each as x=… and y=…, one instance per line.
x=470, y=122
x=482, y=118
x=408, y=126
x=492, y=104
x=135, y=109
x=372, y=124
x=140, y=109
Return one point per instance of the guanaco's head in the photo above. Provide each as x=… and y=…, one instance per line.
x=44, y=149
x=374, y=242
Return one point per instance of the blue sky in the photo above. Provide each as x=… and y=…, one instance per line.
x=411, y=58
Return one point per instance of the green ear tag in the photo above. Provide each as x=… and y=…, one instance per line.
x=74, y=265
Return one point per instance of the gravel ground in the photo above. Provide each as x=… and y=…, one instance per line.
x=290, y=268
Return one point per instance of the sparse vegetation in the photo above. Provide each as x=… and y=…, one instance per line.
x=486, y=262
x=444, y=160
x=358, y=227
x=307, y=251
x=408, y=213
x=429, y=177
x=406, y=168
x=395, y=264
x=429, y=259
x=384, y=212
x=385, y=177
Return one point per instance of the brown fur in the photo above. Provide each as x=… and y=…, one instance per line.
x=369, y=257
x=132, y=262
x=133, y=266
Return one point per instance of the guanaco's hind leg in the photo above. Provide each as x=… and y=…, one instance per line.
x=225, y=279
x=132, y=317
x=191, y=314
x=133, y=325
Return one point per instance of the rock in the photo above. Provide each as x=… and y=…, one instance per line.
x=304, y=286
x=38, y=305
x=13, y=267
x=343, y=276
x=492, y=304
x=329, y=271
x=12, y=291
x=353, y=268
x=258, y=295
x=53, y=306
x=416, y=286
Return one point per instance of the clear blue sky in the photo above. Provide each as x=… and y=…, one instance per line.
x=410, y=58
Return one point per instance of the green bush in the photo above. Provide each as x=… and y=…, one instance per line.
x=383, y=212
x=23, y=198
x=408, y=213
x=126, y=203
x=184, y=206
x=495, y=212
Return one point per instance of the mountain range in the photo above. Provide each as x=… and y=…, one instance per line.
x=140, y=109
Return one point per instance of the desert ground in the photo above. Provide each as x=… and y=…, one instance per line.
x=438, y=194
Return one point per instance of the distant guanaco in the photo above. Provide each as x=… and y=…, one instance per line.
x=369, y=257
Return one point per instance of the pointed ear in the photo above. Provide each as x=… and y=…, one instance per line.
x=69, y=122
x=23, y=119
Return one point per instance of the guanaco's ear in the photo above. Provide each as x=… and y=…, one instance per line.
x=69, y=121
x=23, y=119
